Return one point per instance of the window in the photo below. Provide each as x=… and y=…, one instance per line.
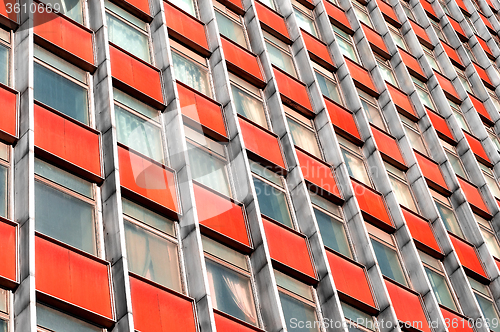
x=4, y=310
x=60, y=85
x=152, y=249
x=346, y=44
x=439, y=31
x=469, y=52
x=331, y=225
x=489, y=176
x=401, y=188
x=230, y=25
x=186, y=5
x=457, y=111
x=138, y=126
x=356, y=319
x=279, y=54
x=271, y=194
x=4, y=179
x=362, y=13
x=445, y=7
x=485, y=301
x=327, y=83
x=469, y=22
x=297, y=302
x=128, y=32
x=423, y=93
x=207, y=161
x=456, y=163
x=248, y=101
x=305, y=18
x=397, y=36
x=191, y=69
x=493, y=136
x=438, y=280
x=494, y=98
x=71, y=8
x=387, y=254
x=229, y=280
x=407, y=9
x=72, y=222
x=303, y=132
x=447, y=214
x=5, y=53
x=496, y=39
x=386, y=71
x=354, y=161
x=464, y=80
x=494, y=65
x=414, y=135
x=489, y=235
x=431, y=58
x=55, y=321
x=372, y=110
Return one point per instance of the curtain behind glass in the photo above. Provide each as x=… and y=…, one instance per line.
x=387, y=74
x=152, y=257
x=440, y=289
x=272, y=202
x=57, y=321
x=303, y=138
x=403, y=194
x=138, y=134
x=425, y=98
x=248, y=106
x=449, y=219
x=60, y=93
x=4, y=65
x=457, y=166
x=128, y=38
x=389, y=262
x=280, y=59
x=489, y=312
x=328, y=88
x=373, y=114
x=64, y=217
x=191, y=74
x=208, y=170
x=332, y=233
x=356, y=167
x=231, y=292
x=297, y=312
x=230, y=29
x=347, y=49
x=3, y=192
x=416, y=141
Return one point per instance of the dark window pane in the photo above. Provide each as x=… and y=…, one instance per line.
x=3, y=326
x=299, y=316
x=60, y=93
x=3, y=191
x=389, y=262
x=58, y=322
x=440, y=289
x=449, y=219
x=489, y=312
x=4, y=65
x=332, y=233
x=272, y=202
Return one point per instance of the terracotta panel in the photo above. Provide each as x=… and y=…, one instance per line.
x=468, y=257
x=458, y=29
x=421, y=232
x=448, y=88
x=457, y=322
x=343, y=120
x=462, y=6
x=402, y=102
x=388, y=147
x=338, y=17
x=441, y=126
x=483, y=75
x=361, y=77
x=318, y=50
x=271, y=20
x=221, y=215
x=8, y=252
x=227, y=323
x=376, y=41
x=408, y=306
x=242, y=63
x=293, y=92
x=8, y=120
x=290, y=250
x=73, y=277
x=9, y=19
x=485, y=47
x=452, y=54
x=432, y=173
x=421, y=34
x=158, y=309
x=474, y=198
x=388, y=12
x=429, y=10
x=412, y=65
x=481, y=110
x=487, y=22
x=477, y=148
x=140, y=8
x=491, y=5
x=372, y=206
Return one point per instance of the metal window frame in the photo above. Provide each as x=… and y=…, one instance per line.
x=235, y=18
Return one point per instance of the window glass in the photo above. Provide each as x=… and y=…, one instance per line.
x=303, y=133
x=136, y=105
x=191, y=73
x=346, y=44
x=266, y=173
x=125, y=15
x=280, y=55
x=269, y=3
x=388, y=261
x=397, y=37
x=294, y=286
x=493, y=137
x=327, y=83
x=186, y=5
x=272, y=202
x=452, y=155
x=491, y=243
x=407, y=10
x=332, y=232
x=492, y=183
x=3, y=325
x=70, y=8
x=249, y=105
x=469, y=52
x=423, y=93
x=57, y=321
x=305, y=22
x=4, y=298
x=413, y=132
x=403, y=193
x=372, y=109
x=429, y=55
x=4, y=151
x=3, y=191
x=358, y=317
x=63, y=178
x=354, y=161
x=4, y=64
x=464, y=80
x=220, y=251
x=361, y=13
x=489, y=311
x=148, y=217
x=447, y=214
x=439, y=31
x=459, y=116
x=231, y=29
x=386, y=71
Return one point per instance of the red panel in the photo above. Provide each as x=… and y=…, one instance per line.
x=430, y=11
x=372, y=205
x=225, y=323
x=342, y=119
x=388, y=12
x=141, y=5
x=350, y=278
x=160, y=310
x=485, y=46
x=486, y=22
x=474, y=198
x=421, y=231
x=402, y=102
x=201, y=109
x=73, y=277
x=452, y=54
x=432, y=172
x=148, y=179
x=6, y=16
x=361, y=77
x=76, y=143
x=407, y=306
x=421, y=34
x=388, y=146
x=376, y=41
x=221, y=215
x=484, y=76
x=447, y=87
x=8, y=250
x=318, y=50
x=481, y=110
x=271, y=20
x=338, y=17
x=8, y=120
x=441, y=126
x=462, y=6
x=236, y=5
x=186, y=28
x=136, y=74
x=318, y=173
x=242, y=62
x=455, y=321
x=491, y=5
x=63, y=33
x=412, y=65
x=477, y=148
x=289, y=248
x=458, y=29
x=497, y=261
x=467, y=255
x=293, y=91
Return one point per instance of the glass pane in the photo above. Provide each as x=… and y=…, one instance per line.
x=272, y=202
x=269, y=3
x=280, y=59
x=357, y=316
x=492, y=184
x=70, y=8
x=152, y=256
x=63, y=178
x=461, y=120
x=64, y=217
x=425, y=98
x=432, y=62
x=3, y=192
x=347, y=49
x=362, y=16
x=387, y=74
x=139, y=134
x=356, y=167
x=299, y=316
x=476, y=285
x=230, y=29
x=60, y=64
x=303, y=137
x=4, y=151
x=4, y=300
x=60, y=93
x=136, y=105
x=388, y=261
x=186, y=5
x=305, y=22
x=58, y=322
x=191, y=74
x=332, y=233
x=491, y=243
x=398, y=39
x=209, y=170
x=449, y=219
x=249, y=106
x=465, y=83
x=373, y=114
x=231, y=292
x=4, y=64
x=495, y=140
x=489, y=312
x=266, y=173
x=440, y=289
x=128, y=38
x=293, y=285
x=224, y=253
x=3, y=325
x=408, y=12
x=416, y=141
x=148, y=217
x=456, y=164
x=328, y=88
x=325, y=204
